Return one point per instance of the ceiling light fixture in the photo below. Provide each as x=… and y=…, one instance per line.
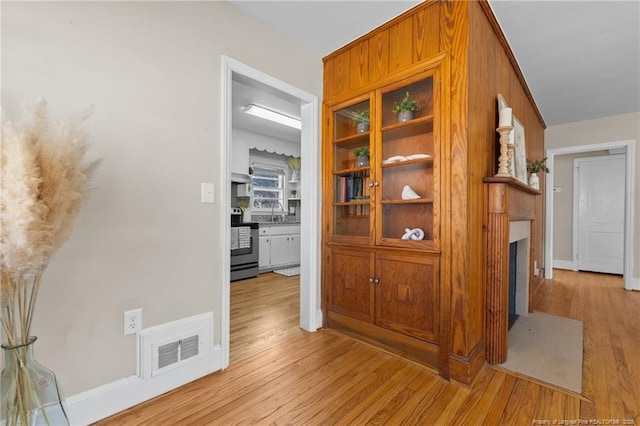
x=271, y=115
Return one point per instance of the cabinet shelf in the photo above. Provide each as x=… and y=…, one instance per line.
x=409, y=125
x=345, y=172
x=357, y=137
x=399, y=242
x=353, y=203
x=400, y=202
x=426, y=161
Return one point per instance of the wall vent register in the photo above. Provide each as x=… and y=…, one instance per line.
x=175, y=352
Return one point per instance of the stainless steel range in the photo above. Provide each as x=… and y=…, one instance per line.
x=244, y=247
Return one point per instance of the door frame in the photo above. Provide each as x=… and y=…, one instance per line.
x=629, y=147
x=576, y=198
x=310, y=313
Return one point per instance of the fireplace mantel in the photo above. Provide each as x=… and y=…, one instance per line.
x=509, y=200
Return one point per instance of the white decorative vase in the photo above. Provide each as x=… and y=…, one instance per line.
x=534, y=181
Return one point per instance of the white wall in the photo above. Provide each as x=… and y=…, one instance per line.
x=609, y=129
x=152, y=72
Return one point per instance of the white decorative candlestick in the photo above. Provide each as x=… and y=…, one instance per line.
x=511, y=148
x=503, y=160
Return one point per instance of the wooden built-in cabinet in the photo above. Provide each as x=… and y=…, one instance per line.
x=382, y=286
x=424, y=299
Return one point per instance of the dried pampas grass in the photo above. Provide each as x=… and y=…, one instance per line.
x=43, y=182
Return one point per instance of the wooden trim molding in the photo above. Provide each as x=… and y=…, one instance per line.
x=509, y=200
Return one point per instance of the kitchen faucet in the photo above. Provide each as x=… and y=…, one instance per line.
x=273, y=206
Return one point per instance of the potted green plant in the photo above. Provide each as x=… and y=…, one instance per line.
x=406, y=108
x=535, y=167
x=362, y=156
x=361, y=118
x=293, y=193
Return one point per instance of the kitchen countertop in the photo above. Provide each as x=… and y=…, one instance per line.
x=278, y=223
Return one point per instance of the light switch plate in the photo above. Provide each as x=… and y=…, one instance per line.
x=207, y=195
x=557, y=189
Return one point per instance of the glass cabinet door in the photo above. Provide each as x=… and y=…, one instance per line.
x=407, y=160
x=352, y=186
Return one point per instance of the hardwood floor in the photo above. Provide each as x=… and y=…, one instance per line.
x=611, y=366
x=265, y=311
x=327, y=378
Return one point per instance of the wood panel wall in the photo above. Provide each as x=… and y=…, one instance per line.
x=463, y=36
x=494, y=72
x=375, y=58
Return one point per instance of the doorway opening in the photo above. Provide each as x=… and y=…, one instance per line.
x=309, y=307
x=627, y=148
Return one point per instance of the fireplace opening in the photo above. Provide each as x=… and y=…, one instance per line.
x=519, y=252
x=513, y=280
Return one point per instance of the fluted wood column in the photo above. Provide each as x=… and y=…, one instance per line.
x=497, y=288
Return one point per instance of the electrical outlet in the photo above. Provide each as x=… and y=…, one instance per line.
x=132, y=321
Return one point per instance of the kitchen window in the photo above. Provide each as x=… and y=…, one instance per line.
x=268, y=189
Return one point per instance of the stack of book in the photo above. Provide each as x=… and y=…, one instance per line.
x=354, y=187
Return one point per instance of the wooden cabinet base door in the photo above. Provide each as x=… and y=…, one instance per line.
x=407, y=295
x=351, y=292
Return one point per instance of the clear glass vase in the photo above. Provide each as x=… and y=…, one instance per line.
x=29, y=392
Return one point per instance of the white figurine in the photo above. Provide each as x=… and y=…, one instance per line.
x=408, y=193
x=413, y=234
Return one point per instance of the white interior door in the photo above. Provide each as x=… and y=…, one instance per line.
x=600, y=197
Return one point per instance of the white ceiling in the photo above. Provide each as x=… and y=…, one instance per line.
x=245, y=91
x=581, y=59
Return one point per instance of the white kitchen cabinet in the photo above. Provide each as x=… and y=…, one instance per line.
x=294, y=249
x=239, y=156
x=279, y=250
x=279, y=246
x=264, y=252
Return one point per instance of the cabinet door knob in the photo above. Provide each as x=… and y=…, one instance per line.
x=376, y=184
x=376, y=281
x=370, y=184
x=371, y=280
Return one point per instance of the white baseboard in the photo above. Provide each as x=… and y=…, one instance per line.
x=106, y=400
x=635, y=284
x=565, y=264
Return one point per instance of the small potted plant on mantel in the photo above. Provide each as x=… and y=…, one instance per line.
x=535, y=167
x=406, y=108
x=361, y=118
x=362, y=156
